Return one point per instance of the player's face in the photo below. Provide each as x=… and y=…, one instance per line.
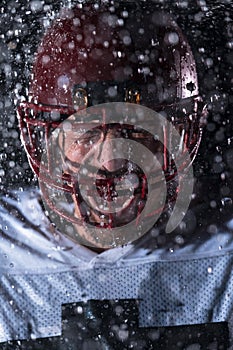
x=111, y=178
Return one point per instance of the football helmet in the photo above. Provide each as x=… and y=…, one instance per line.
x=96, y=53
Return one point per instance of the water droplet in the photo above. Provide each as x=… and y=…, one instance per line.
x=223, y=176
x=101, y=277
x=32, y=336
x=213, y=204
x=227, y=201
x=79, y=310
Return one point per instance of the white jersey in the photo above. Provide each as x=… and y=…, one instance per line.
x=41, y=269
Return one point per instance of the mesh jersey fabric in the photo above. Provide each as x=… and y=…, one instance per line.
x=41, y=270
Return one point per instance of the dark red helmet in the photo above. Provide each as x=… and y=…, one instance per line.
x=118, y=52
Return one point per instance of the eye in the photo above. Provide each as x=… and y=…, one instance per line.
x=80, y=99
x=90, y=137
x=132, y=95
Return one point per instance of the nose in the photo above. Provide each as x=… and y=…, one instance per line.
x=111, y=155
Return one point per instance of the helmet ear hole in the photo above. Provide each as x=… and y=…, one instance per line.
x=80, y=98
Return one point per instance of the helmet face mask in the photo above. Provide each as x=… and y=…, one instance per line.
x=107, y=54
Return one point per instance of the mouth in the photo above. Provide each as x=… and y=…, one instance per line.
x=114, y=198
